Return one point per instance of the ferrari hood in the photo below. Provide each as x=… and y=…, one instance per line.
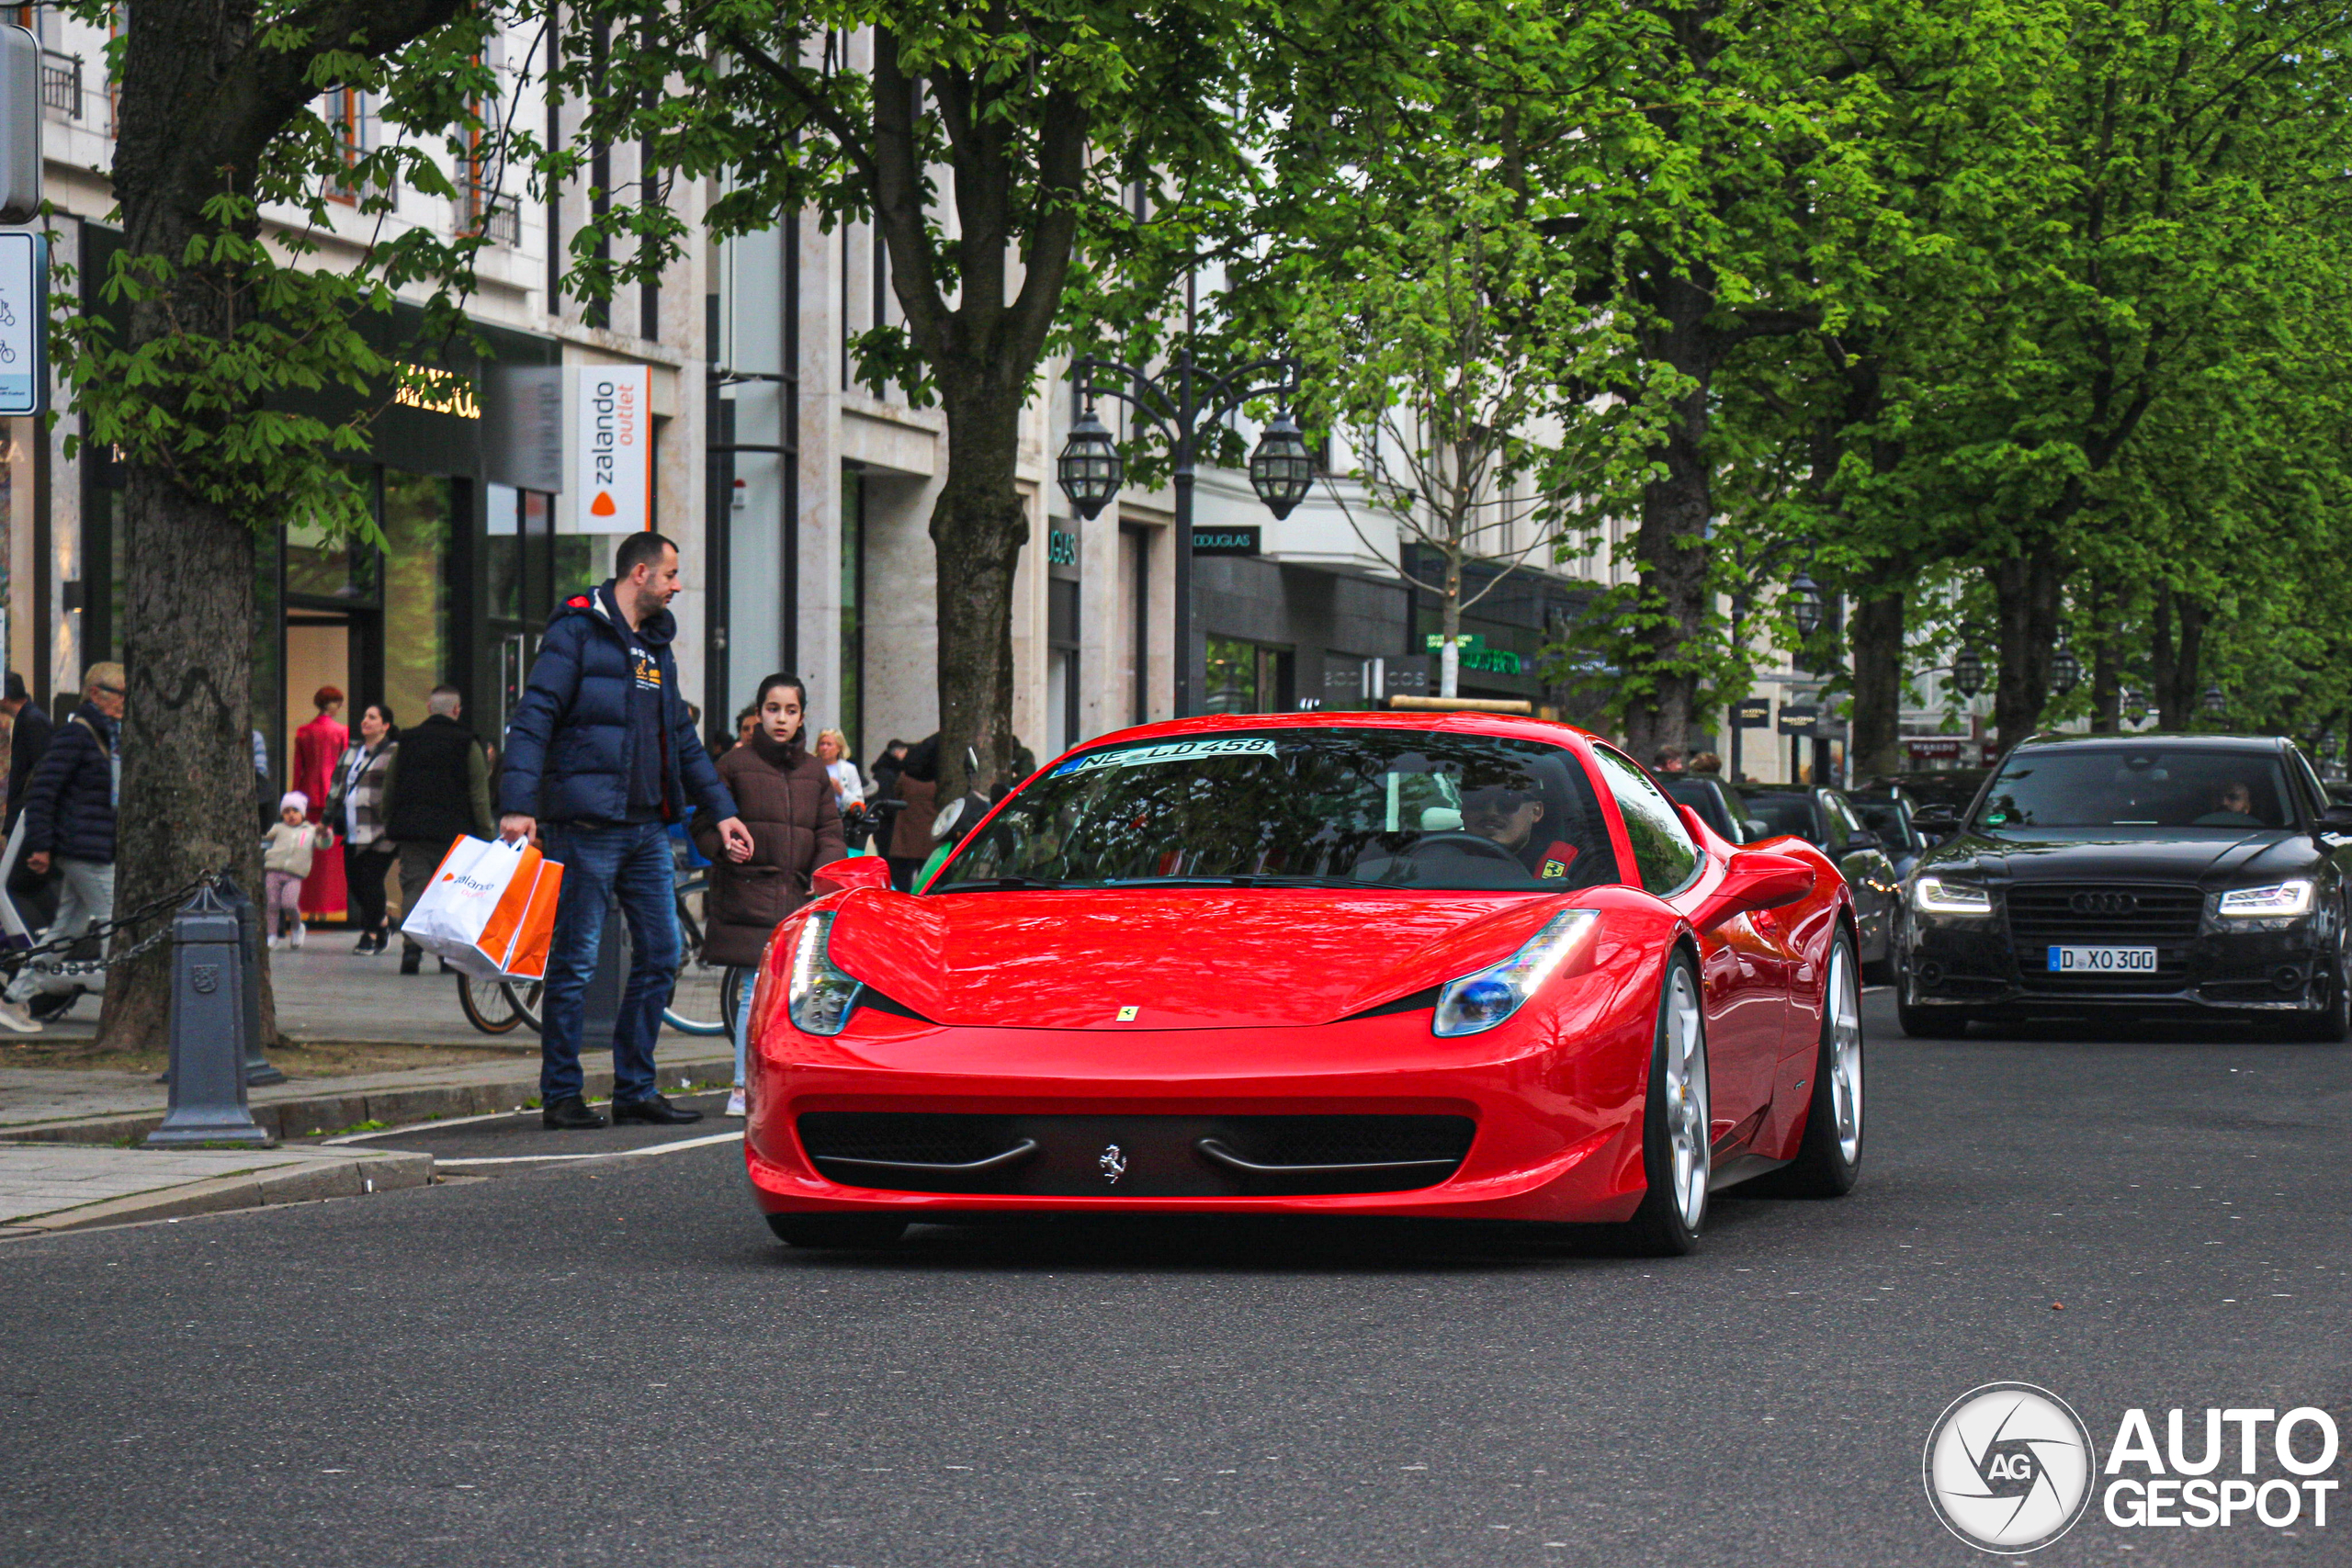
x=1180, y=958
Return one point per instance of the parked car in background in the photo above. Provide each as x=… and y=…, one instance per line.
x=1887, y=813
x=1719, y=806
x=1827, y=821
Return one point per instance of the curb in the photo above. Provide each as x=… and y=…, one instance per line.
x=292, y=1119
x=350, y=1176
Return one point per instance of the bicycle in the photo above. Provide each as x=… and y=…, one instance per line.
x=696, y=996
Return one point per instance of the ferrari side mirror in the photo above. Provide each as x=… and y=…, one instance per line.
x=1754, y=879
x=854, y=871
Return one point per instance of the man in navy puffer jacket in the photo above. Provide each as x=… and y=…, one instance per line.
x=600, y=749
x=68, y=815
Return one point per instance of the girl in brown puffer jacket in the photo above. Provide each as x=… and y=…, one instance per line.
x=783, y=796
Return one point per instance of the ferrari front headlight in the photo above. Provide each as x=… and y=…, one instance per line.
x=2280, y=900
x=1934, y=896
x=821, y=995
x=1485, y=997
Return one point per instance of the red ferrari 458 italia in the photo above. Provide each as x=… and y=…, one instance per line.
x=1444, y=965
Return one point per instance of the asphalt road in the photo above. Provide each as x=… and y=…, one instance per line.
x=611, y=1361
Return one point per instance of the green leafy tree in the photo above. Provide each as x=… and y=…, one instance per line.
x=226, y=173
x=995, y=148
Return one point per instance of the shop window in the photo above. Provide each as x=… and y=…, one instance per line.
x=1247, y=677
x=416, y=600
x=319, y=566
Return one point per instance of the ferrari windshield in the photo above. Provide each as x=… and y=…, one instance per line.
x=2137, y=786
x=1342, y=806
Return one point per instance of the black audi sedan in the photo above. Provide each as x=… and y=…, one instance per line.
x=2147, y=874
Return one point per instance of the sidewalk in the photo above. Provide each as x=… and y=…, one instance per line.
x=47, y=1187
x=369, y=1046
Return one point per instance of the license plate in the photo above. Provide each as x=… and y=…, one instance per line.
x=2102, y=960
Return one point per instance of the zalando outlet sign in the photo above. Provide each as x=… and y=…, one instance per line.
x=613, y=429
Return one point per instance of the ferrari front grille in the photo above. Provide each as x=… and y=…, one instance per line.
x=1140, y=1156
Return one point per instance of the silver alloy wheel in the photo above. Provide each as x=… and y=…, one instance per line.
x=1845, y=1067
x=1687, y=1124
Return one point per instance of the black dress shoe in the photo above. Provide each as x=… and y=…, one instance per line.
x=656, y=1110
x=570, y=1115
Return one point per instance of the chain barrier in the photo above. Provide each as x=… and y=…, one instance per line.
x=22, y=957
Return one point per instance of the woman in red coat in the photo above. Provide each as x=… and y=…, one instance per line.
x=317, y=745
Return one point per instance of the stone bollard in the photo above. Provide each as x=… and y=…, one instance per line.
x=257, y=1068
x=209, y=1024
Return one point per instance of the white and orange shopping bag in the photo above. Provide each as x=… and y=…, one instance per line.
x=490, y=909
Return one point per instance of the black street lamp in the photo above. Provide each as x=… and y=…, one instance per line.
x=2217, y=702
x=1184, y=400
x=1089, y=467
x=1804, y=603
x=1968, y=672
x=2065, y=671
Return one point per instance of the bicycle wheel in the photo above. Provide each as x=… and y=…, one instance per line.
x=524, y=998
x=487, y=1005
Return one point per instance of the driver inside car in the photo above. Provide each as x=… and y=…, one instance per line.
x=2232, y=808
x=1508, y=817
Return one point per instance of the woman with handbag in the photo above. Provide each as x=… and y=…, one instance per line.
x=355, y=809
x=785, y=799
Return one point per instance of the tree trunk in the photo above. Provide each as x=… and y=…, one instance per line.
x=1877, y=637
x=187, y=800
x=1671, y=547
x=2106, y=660
x=188, y=770
x=2027, y=586
x=977, y=528
x=2175, y=652
x=1449, y=678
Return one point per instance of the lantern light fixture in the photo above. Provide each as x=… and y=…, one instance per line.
x=1089, y=467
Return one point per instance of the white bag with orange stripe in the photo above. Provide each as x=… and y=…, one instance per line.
x=490, y=909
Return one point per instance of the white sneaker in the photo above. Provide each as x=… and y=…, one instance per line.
x=734, y=1101
x=19, y=1017
x=295, y=941
x=273, y=942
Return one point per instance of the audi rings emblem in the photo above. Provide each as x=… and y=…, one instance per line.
x=2104, y=903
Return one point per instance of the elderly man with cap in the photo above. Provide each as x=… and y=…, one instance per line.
x=69, y=819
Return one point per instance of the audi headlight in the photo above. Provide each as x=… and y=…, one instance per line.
x=2280, y=900
x=821, y=997
x=1934, y=896
x=1483, y=998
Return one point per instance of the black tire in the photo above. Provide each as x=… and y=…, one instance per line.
x=1668, y=1221
x=1824, y=1167
x=2332, y=1026
x=487, y=1005
x=523, y=995
x=841, y=1231
x=1931, y=1023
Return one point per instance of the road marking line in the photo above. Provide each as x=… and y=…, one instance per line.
x=614, y=1153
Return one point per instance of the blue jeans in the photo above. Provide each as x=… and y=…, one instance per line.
x=743, y=1020
x=632, y=860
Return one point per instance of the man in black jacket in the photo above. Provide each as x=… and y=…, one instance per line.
x=28, y=738
x=69, y=819
x=601, y=750
x=437, y=790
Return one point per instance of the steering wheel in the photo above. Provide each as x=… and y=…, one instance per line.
x=1485, y=847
